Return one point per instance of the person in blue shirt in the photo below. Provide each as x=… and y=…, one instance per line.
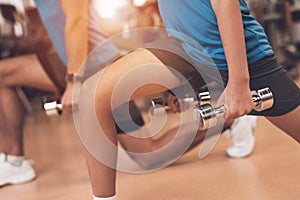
x=240, y=50
x=58, y=24
x=211, y=35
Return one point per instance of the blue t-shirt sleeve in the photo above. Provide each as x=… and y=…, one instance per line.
x=54, y=21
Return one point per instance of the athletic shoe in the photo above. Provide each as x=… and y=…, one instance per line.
x=242, y=136
x=15, y=174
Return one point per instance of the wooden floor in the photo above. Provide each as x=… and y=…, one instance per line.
x=272, y=172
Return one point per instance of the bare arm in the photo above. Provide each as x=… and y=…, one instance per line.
x=76, y=33
x=237, y=93
x=76, y=39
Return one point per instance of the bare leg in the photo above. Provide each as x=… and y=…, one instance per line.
x=19, y=71
x=146, y=145
x=289, y=123
x=12, y=121
x=103, y=177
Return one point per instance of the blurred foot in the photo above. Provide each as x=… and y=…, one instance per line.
x=242, y=136
x=15, y=170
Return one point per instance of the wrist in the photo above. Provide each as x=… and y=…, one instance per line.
x=70, y=84
x=239, y=78
x=239, y=84
x=239, y=81
x=70, y=77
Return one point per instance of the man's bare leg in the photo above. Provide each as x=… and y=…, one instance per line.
x=18, y=71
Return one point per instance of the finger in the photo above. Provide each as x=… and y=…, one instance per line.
x=232, y=114
x=67, y=107
x=229, y=116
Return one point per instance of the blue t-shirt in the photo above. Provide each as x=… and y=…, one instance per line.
x=54, y=21
x=195, y=20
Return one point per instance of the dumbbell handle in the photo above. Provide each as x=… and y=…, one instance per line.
x=159, y=105
x=221, y=110
x=262, y=99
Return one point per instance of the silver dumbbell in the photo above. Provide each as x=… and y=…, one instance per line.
x=206, y=116
x=159, y=106
x=52, y=106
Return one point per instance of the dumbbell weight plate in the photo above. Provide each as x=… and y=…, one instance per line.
x=263, y=99
x=205, y=116
x=53, y=108
x=159, y=107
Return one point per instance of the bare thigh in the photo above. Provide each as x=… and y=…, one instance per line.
x=289, y=123
x=26, y=71
x=155, y=71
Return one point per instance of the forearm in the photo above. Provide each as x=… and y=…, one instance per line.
x=76, y=32
x=232, y=35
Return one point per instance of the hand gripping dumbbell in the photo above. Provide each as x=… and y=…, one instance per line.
x=206, y=116
x=52, y=107
x=159, y=106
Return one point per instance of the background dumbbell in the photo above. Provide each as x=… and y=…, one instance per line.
x=52, y=106
x=206, y=116
x=159, y=106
